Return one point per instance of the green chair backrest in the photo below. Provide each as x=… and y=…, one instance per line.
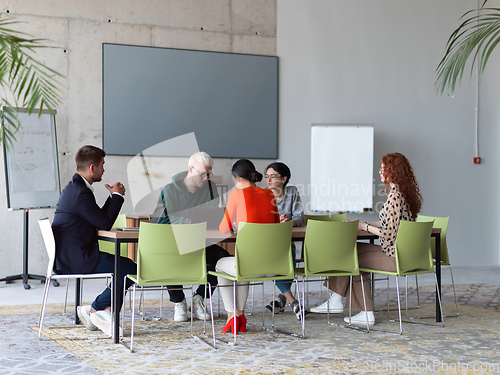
x=262, y=250
x=439, y=222
x=333, y=217
x=330, y=247
x=413, y=247
x=171, y=254
x=109, y=247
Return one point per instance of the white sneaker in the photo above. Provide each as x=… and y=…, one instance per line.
x=335, y=304
x=84, y=315
x=103, y=320
x=360, y=318
x=199, y=308
x=180, y=311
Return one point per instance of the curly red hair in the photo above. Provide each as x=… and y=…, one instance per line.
x=397, y=170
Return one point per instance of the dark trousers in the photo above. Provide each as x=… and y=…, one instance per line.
x=213, y=253
x=105, y=264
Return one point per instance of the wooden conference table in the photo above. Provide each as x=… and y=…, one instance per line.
x=214, y=236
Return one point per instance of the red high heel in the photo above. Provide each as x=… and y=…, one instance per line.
x=243, y=323
x=230, y=325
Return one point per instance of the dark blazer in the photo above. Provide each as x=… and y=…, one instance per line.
x=75, y=225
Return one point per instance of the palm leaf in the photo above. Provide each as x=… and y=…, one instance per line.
x=476, y=38
x=29, y=82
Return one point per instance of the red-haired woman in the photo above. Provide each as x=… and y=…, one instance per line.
x=403, y=203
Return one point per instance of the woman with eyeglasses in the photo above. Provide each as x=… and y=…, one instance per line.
x=403, y=203
x=277, y=176
x=247, y=203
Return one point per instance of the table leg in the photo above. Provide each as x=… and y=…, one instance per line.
x=78, y=283
x=117, y=282
x=438, y=275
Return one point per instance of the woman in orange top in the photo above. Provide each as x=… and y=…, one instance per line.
x=251, y=204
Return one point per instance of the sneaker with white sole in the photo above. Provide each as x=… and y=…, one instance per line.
x=296, y=310
x=199, y=310
x=180, y=311
x=334, y=304
x=279, y=304
x=360, y=318
x=103, y=320
x=84, y=315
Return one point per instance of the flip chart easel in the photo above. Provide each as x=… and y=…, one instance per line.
x=32, y=174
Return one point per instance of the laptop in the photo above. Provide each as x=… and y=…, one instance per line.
x=128, y=229
x=211, y=215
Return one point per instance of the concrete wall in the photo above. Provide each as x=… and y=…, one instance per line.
x=364, y=61
x=76, y=31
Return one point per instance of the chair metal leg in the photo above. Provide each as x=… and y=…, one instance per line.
x=161, y=301
x=253, y=298
x=328, y=300
x=302, y=308
x=418, y=292
x=192, y=312
x=133, y=319
x=212, y=313
x=274, y=299
x=234, y=311
x=439, y=300
x=218, y=303
x=406, y=296
x=364, y=302
x=123, y=309
x=321, y=290
x=454, y=292
x=66, y=297
x=399, y=308
x=44, y=304
x=263, y=306
x=350, y=303
x=388, y=299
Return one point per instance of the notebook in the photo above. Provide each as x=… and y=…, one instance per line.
x=211, y=215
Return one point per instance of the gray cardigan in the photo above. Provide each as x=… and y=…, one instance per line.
x=291, y=205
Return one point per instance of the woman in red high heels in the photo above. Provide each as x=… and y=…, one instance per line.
x=251, y=204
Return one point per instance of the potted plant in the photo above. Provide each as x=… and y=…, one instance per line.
x=475, y=38
x=28, y=82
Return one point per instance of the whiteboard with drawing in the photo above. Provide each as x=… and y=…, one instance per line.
x=341, y=168
x=31, y=164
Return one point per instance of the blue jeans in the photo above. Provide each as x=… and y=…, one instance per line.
x=285, y=285
x=105, y=264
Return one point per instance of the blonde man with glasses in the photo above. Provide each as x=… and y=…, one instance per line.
x=189, y=189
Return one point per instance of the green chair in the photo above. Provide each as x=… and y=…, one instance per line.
x=333, y=217
x=442, y=223
x=413, y=256
x=169, y=255
x=262, y=252
x=330, y=249
x=109, y=247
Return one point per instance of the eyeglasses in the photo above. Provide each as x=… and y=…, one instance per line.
x=204, y=174
x=272, y=176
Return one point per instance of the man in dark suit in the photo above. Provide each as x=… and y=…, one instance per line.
x=75, y=225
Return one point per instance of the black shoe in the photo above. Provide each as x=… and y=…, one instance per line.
x=279, y=304
x=296, y=310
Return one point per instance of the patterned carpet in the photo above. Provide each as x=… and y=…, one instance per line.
x=468, y=344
